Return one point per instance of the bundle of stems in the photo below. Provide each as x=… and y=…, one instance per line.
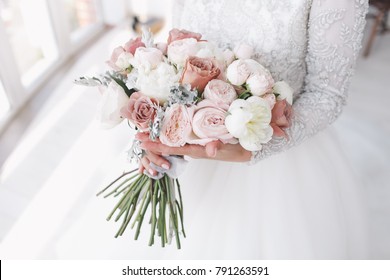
x=137, y=193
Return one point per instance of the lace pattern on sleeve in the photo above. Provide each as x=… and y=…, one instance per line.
x=335, y=31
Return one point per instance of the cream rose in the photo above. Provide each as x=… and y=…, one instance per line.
x=219, y=91
x=249, y=121
x=176, y=126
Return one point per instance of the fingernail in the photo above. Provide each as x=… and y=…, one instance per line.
x=165, y=166
x=151, y=171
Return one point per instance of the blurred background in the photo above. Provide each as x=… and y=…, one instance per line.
x=52, y=153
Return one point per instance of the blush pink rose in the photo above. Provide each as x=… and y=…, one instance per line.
x=140, y=110
x=133, y=44
x=220, y=92
x=176, y=127
x=199, y=71
x=281, y=117
x=208, y=123
x=176, y=34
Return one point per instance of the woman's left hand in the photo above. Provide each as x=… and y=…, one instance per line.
x=214, y=150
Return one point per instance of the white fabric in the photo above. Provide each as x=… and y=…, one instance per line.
x=304, y=203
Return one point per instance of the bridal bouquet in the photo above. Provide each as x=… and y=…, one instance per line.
x=184, y=91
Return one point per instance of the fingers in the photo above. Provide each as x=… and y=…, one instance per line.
x=158, y=160
x=146, y=165
x=212, y=148
x=159, y=148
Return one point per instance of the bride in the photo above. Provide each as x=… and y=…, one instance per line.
x=286, y=201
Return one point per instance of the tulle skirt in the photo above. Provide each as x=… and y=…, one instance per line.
x=306, y=203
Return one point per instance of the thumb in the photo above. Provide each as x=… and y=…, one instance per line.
x=212, y=148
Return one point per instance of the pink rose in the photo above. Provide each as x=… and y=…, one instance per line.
x=140, y=110
x=199, y=71
x=176, y=127
x=281, y=117
x=208, y=123
x=176, y=34
x=220, y=92
x=133, y=44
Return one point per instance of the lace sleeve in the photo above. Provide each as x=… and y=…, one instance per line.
x=335, y=31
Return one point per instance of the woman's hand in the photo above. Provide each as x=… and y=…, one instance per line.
x=214, y=150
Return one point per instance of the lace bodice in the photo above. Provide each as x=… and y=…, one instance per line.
x=311, y=44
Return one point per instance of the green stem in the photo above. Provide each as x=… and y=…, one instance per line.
x=116, y=180
x=172, y=211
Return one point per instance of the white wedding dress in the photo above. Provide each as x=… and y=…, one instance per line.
x=304, y=203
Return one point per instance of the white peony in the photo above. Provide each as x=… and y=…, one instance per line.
x=158, y=82
x=243, y=51
x=147, y=59
x=179, y=51
x=249, y=121
x=284, y=91
x=112, y=101
x=238, y=72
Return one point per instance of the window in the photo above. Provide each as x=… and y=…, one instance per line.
x=82, y=15
x=30, y=35
x=37, y=36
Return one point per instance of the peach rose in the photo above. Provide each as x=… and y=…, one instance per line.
x=176, y=34
x=140, y=110
x=198, y=72
x=133, y=44
x=281, y=117
x=220, y=92
x=208, y=123
x=176, y=126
